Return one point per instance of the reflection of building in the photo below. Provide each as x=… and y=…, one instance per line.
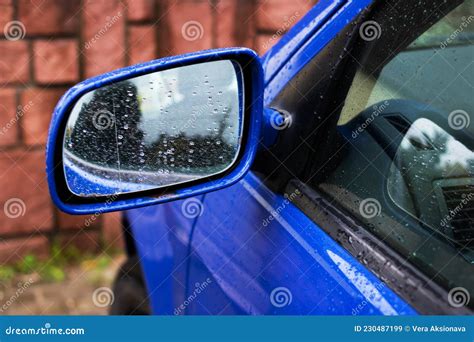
x=106, y=130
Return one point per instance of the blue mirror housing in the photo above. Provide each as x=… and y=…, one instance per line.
x=250, y=72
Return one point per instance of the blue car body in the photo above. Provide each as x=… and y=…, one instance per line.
x=249, y=253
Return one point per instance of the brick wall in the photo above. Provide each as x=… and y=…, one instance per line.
x=47, y=46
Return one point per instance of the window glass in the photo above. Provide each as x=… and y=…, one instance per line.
x=405, y=165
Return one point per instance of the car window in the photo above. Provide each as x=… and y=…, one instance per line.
x=404, y=165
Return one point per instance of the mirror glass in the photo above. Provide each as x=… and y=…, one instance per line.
x=155, y=130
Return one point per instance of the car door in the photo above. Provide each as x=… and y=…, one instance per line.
x=324, y=225
x=259, y=254
x=254, y=252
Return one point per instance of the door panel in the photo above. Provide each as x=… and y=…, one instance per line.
x=254, y=262
x=162, y=236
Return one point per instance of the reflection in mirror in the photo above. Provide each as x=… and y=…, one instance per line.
x=155, y=130
x=437, y=171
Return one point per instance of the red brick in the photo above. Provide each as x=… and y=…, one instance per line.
x=142, y=43
x=6, y=13
x=103, y=35
x=226, y=25
x=138, y=10
x=56, y=61
x=112, y=233
x=67, y=221
x=14, y=62
x=49, y=17
x=14, y=249
x=190, y=25
x=8, y=118
x=36, y=117
x=23, y=184
x=83, y=240
x=236, y=23
x=277, y=15
x=264, y=42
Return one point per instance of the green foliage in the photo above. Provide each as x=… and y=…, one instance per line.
x=28, y=264
x=6, y=273
x=52, y=273
x=103, y=262
x=53, y=269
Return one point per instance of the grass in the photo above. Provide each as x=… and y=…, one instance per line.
x=53, y=269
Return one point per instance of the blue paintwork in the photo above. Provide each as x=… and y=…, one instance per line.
x=311, y=43
x=248, y=256
x=292, y=41
x=272, y=119
x=237, y=249
x=162, y=234
x=246, y=241
x=61, y=113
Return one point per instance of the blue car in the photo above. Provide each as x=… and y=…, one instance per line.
x=331, y=176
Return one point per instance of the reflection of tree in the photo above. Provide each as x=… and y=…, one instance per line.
x=224, y=123
x=106, y=131
x=189, y=152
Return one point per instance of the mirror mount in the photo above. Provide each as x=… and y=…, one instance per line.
x=252, y=88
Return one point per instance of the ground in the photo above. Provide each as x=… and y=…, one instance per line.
x=78, y=293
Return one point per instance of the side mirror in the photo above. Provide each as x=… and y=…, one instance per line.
x=156, y=132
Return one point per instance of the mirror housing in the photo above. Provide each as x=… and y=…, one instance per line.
x=252, y=89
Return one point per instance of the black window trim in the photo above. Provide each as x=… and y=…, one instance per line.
x=422, y=293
